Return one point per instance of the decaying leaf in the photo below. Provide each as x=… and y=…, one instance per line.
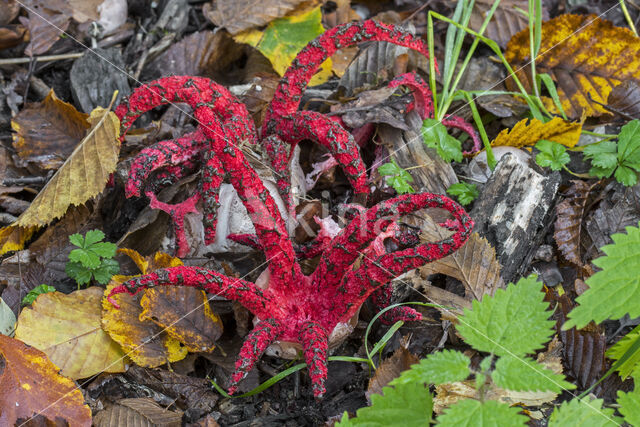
x=47, y=20
x=11, y=35
x=137, y=412
x=259, y=95
x=508, y=19
x=48, y=131
x=568, y=225
x=67, y=329
x=146, y=343
x=586, y=57
x=529, y=132
x=284, y=37
x=624, y=99
x=391, y=368
x=240, y=15
x=185, y=314
x=30, y=385
x=82, y=176
x=85, y=10
x=7, y=319
x=14, y=238
x=9, y=11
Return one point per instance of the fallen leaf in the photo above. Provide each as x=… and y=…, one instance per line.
x=47, y=132
x=85, y=10
x=205, y=53
x=284, y=37
x=391, y=368
x=240, y=15
x=67, y=329
x=259, y=95
x=9, y=10
x=137, y=412
x=146, y=343
x=586, y=57
x=11, y=36
x=624, y=99
x=568, y=225
x=30, y=385
x=13, y=238
x=7, y=319
x=528, y=132
x=509, y=18
x=82, y=176
x=48, y=19
x=184, y=313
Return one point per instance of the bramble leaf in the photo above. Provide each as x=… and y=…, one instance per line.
x=603, y=155
x=410, y=402
x=498, y=324
x=618, y=277
x=525, y=374
x=629, y=142
x=38, y=290
x=87, y=258
x=445, y=366
x=551, y=155
x=628, y=348
x=471, y=412
x=78, y=272
x=583, y=413
x=626, y=176
x=104, y=249
x=465, y=192
x=77, y=240
x=434, y=134
x=630, y=406
x=106, y=270
x=92, y=236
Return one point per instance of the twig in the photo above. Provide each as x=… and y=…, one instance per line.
x=44, y=58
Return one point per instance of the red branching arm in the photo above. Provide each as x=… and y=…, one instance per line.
x=383, y=297
x=212, y=177
x=422, y=96
x=262, y=335
x=315, y=345
x=253, y=298
x=459, y=123
x=177, y=213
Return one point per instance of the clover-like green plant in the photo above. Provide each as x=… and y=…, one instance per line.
x=464, y=192
x=621, y=159
x=38, y=290
x=93, y=259
x=552, y=155
x=397, y=177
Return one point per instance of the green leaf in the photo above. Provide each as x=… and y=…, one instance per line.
x=551, y=155
x=602, y=172
x=626, y=176
x=445, y=366
x=627, y=350
x=629, y=142
x=33, y=293
x=525, y=374
x=399, y=178
x=470, y=413
x=615, y=290
x=106, y=270
x=465, y=192
x=77, y=240
x=85, y=257
x=583, y=413
x=410, y=404
x=498, y=324
x=104, y=249
x=78, y=272
x=594, y=151
x=92, y=236
x=630, y=406
x=434, y=135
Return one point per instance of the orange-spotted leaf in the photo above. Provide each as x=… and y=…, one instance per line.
x=585, y=56
x=31, y=386
x=527, y=132
x=67, y=329
x=185, y=314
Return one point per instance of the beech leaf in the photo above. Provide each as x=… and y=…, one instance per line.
x=239, y=15
x=568, y=225
x=137, y=412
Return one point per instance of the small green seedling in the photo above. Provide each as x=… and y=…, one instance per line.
x=38, y=290
x=622, y=159
x=434, y=135
x=465, y=192
x=552, y=155
x=398, y=178
x=92, y=260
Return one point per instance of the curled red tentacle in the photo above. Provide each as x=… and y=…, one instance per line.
x=460, y=123
x=383, y=297
x=315, y=344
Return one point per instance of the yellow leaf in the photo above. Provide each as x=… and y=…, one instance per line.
x=13, y=238
x=146, y=343
x=523, y=133
x=67, y=329
x=586, y=57
x=30, y=385
x=82, y=176
x=283, y=38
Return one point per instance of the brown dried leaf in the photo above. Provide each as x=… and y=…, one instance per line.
x=204, y=53
x=568, y=224
x=185, y=315
x=47, y=20
x=30, y=384
x=82, y=176
x=85, y=10
x=391, y=368
x=624, y=99
x=240, y=15
x=259, y=95
x=586, y=57
x=47, y=132
x=508, y=19
x=11, y=35
x=9, y=10
x=142, y=412
x=67, y=329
